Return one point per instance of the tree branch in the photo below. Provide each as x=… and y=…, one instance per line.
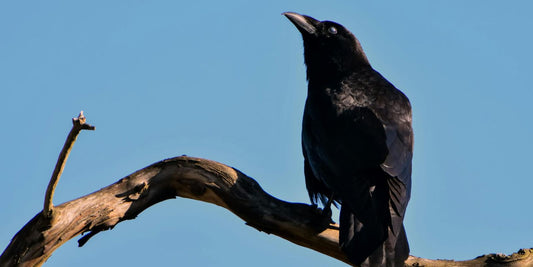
x=78, y=124
x=203, y=180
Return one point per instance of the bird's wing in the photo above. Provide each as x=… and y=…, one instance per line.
x=396, y=118
x=398, y=166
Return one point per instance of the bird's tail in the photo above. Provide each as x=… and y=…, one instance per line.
x=364, y=224
x=370, y=240
x=401, y=249
x=393, y=253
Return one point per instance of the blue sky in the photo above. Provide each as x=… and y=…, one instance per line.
x=225, y=80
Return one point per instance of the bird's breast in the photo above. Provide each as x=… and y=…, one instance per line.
x=341, y=138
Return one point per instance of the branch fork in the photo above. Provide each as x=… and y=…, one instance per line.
x=198, y=179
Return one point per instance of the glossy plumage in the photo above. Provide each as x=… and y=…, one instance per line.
x=357, y=142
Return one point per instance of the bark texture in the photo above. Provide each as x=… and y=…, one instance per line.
x=203, y=180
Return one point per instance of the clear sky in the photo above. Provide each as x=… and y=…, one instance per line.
x=225, y=80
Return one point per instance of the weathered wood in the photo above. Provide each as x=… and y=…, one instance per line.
x=524, y=257
x=203, y=180
x=78, y=124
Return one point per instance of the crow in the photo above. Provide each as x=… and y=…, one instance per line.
x=357, y=142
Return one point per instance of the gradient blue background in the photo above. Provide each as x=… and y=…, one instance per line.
x=225, y=80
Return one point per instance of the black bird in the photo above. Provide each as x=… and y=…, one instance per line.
x=357, y=143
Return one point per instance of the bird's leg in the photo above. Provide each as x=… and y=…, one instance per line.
x=327, y=208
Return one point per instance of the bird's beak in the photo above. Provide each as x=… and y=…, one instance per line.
x=305, y=24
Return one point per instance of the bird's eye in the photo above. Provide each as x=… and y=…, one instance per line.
x=332, y=30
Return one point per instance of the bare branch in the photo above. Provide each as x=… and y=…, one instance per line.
x=203, y=180
x=524, y=257
x=78, y=124
x=187, y=177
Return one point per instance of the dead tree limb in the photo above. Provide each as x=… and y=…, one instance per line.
x=182, y=176
x=78, y=124
x=203, y=180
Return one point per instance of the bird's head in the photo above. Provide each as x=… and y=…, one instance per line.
x=329, y=48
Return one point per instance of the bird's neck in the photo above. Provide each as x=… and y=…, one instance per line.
x=332, y=77
x=331, y=71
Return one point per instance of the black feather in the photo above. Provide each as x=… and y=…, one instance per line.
x=357, y=143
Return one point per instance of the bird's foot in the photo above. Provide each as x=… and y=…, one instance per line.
x=321, y=218
x=326, y=212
